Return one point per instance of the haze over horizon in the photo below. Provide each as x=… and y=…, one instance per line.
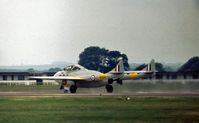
x=45, y=31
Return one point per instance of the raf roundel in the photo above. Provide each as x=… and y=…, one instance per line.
x=92, y=77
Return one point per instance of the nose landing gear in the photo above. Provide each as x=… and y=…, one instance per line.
x=68, y=87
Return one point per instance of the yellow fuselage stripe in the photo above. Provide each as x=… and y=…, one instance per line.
x=134, y=76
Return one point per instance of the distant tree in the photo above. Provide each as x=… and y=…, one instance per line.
x=140, y=67
x=101, y=59
x=169, y=69
x=31, y=70
x=54, y=69
x=158, y=66
x=192, y=65
x=92, y=56
x=111, y=60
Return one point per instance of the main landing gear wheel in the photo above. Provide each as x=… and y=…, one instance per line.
x=73, y=89
x=109, y=88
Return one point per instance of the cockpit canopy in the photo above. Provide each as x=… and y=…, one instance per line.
x=73, y=68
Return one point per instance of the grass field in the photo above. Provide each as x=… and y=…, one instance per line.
x=99, y=110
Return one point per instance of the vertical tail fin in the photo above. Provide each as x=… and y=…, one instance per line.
x=150, y=67
x=119, y=67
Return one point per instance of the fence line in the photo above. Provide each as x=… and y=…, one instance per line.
x=27, y=82
x=52, y=82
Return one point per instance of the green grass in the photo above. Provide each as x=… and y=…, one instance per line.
x=99, y=110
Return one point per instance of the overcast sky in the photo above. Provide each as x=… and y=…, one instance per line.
x=44, y=31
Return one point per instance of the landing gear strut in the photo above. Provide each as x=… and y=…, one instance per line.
x=61, y=87
x=110, y=81
x=109, y=88
x=119, y=81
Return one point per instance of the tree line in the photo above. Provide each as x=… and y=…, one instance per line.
x=104, y=60
x=101, y=59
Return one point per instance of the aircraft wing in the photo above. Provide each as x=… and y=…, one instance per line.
x=57, y=78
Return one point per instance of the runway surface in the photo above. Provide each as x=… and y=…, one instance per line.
x=138, y=94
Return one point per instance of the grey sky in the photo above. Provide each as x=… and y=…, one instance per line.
x=43, y=31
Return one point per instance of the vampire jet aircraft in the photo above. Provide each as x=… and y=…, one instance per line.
x=76, y=76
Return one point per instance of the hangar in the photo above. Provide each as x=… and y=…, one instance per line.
x=177, y=75
x=14, y=76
